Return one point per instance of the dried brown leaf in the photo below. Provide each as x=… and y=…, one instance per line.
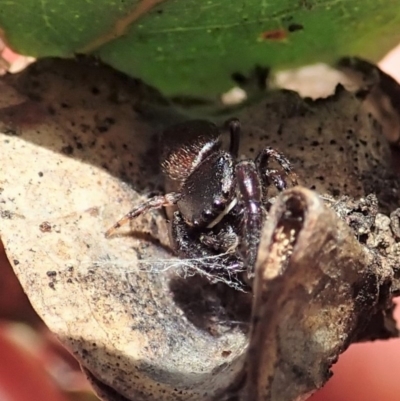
x=79, y=146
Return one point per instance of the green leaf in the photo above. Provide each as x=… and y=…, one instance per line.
x=193, y=47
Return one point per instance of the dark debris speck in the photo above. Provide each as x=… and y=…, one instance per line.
x=45, y=227
x=67, y=150
x=295, y=27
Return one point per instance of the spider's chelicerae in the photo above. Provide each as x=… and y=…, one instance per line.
x=222, y=200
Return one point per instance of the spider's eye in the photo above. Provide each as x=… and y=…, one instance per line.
x=196, y=223
x=218, y=204
x=207, y=213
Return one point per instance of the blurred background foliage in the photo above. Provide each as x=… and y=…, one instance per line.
x=200, y=48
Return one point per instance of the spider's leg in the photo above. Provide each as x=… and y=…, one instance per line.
x=187, y=245
x=250, y=198
x=271, y=175
x=185, y=241
x=235, y=131
x=153, y=203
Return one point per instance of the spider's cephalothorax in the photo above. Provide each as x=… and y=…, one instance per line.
x=221, y=201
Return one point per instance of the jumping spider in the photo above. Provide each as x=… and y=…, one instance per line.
x=222, y=201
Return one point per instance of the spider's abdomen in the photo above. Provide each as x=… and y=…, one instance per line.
x=186, y=145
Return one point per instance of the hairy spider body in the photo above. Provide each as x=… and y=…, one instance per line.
x=221, y=202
